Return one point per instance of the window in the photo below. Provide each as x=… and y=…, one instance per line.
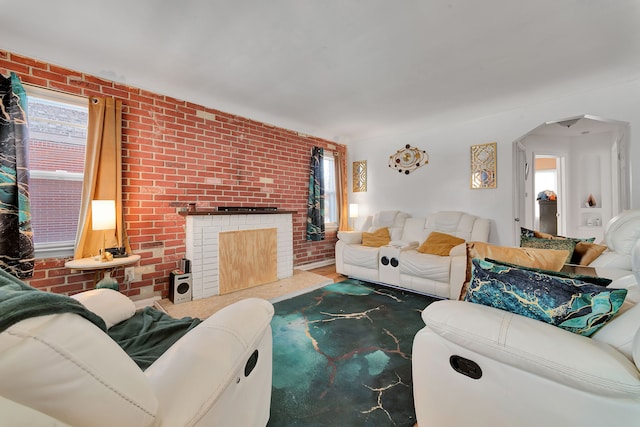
x=56, y=149
x=330, y=191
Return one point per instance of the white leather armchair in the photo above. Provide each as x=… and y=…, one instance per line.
x=622, y=238
x=475, y=365
x=62, y=370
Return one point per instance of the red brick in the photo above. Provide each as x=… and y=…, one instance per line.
x=171, y=157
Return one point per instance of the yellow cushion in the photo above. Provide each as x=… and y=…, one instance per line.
x=587, y=252
x=546, y=259
x=378, y=238
x=439, y=244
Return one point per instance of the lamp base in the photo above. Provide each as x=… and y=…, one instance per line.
x=108, y=282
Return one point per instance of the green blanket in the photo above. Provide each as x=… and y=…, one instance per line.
x=149, y=333
x=19, y=301
x=144, y=337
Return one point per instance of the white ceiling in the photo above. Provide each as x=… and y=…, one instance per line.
x=339, y=69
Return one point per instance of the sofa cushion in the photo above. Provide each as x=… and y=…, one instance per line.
x=393, y=220
x=439, y=244
x=362, y=256
x=428, y=266
x=457, y=224
x=547, y=259
x=570, y=304
x=377, y=238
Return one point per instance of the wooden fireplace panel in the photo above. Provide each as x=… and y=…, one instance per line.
x=247, y=258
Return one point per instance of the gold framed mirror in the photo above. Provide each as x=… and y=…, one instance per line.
x=484, y=166
x=360, y=176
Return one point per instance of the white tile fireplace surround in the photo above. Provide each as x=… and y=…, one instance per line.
x=203, y=229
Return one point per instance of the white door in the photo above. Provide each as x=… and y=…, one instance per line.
x=520, y=173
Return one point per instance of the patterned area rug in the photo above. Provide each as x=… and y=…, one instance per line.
x=342, y=356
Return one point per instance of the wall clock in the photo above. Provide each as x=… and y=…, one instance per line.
x=408, y=159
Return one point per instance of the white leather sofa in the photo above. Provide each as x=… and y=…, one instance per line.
x=475, y=365
x=62, y=370
x=355, y=260
x=399, y=263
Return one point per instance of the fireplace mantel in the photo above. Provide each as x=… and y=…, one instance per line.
x=216, y=212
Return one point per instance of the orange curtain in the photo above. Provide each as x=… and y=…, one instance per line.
x=102, y=176
x=343, y=195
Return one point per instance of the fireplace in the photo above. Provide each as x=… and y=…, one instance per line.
x=255, y=245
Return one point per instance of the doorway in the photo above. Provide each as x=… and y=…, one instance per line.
x=548, y=179
x=591, y=172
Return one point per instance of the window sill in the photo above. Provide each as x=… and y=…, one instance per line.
x=54, y=250
x=331, y=227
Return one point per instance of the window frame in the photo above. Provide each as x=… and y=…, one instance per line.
x=63, y=248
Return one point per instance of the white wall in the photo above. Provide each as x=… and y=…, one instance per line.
x=591, y=166
x=444, y=183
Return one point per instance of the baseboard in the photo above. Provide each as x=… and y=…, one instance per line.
x=317, y=264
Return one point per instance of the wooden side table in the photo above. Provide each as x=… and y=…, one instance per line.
x=94, y=263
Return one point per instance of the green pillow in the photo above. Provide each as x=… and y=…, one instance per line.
x=570, y=304
x=558, y=244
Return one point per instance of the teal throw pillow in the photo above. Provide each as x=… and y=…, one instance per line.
x=525, y=232
x=596, y=280
x=558, y=244
x=570, y=304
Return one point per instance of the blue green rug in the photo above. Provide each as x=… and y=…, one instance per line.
x=342, y=356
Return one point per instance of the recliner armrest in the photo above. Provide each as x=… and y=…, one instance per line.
x=192, y=377
x=459, y=250
x=535, y=347
x=350, y=237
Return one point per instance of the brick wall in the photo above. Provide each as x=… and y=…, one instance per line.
x=175, y=153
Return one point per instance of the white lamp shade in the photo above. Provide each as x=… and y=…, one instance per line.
x=353, y=210
x=103, y=214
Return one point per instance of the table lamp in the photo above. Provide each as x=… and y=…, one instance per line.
x=353, y=212
x=103, y=217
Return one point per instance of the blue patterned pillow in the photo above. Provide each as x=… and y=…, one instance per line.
x=525, y=232
x=568, y=303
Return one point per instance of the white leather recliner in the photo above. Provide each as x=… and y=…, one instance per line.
x=475, y=365
x=622, y=238
x=62, y=370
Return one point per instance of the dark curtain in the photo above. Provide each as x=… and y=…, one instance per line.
x=343, y=193
x=16, y=236
x=315, y=203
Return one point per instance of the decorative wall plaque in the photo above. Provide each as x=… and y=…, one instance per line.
x=408, y=159
x=360, y=176
x=483, y=165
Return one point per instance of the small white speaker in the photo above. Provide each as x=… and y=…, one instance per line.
x=180, y=287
